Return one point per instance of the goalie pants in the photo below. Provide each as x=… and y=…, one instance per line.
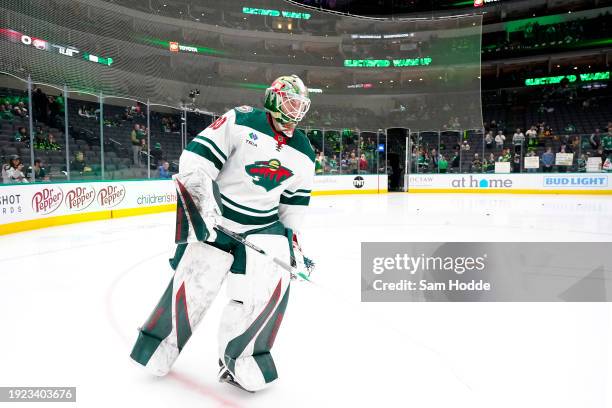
x=258, y=290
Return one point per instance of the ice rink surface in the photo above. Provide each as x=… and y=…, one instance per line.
x=72, y=298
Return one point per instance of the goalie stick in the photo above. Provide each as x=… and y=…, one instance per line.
x=279, y=262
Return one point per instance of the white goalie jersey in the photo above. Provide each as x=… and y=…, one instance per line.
x=263, y=176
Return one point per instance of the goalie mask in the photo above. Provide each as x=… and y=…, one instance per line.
x=287, y=100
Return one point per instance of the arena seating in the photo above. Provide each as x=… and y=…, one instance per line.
x=84, y=136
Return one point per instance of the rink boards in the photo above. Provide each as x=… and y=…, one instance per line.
x=525, y=183
x=30, y=206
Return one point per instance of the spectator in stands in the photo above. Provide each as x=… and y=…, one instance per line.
x=489, y=164
x=516, y=163
x=595, y=139
x=137, y=111
x=455, y=162
x=532, y=133
x=476, y=164
x=5, y=114
x=548, y=160
x=353, y=163
x=40, y=103
x=169, y=125
x=606, y=143
x=570, y=128
x=157, y=155
x=532, y=137
x=423, y=161
x=434, y=156
x=500, y=138
x=164, y=170
x=465, y=146
x=79, y=165
x=505, y=156
x=40, y=174
x=333, y=164
x=599, y=153
x=54, y=110
x=518, y=139
x=12, y=171
x=51, y=143
x=40, y=138
x=144, y=149
x=414, y=158
x=582, y=163
x=442, y=164
x=127, y=113
x=20, y=110
x=363, y=164
x=319, y=163
x=165, y=124
x=489, y=140
x=574, y=144
x=136, y=136
x=21, y=135
x=86, y=112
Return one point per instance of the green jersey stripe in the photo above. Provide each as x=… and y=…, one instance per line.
x=244, y=207
x=204, y=151
x=214, y=145
x=290, y=193
x=210, y=147
x=244, y=219
x=297, y=200
x=295, y=195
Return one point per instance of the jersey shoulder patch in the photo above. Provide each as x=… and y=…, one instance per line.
x=244, y=109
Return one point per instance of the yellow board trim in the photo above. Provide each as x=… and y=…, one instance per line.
x=28, y=225
x=339, y=192
x=506, y=191
x=21, y=226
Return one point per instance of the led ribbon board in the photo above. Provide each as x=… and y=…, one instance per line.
x=406, y=62
x=44, y=45
x=481, y=3
x=176, y=47
x=586, y=77
x=380, y=36
x=276, y=13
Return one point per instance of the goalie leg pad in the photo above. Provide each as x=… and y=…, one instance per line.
x=198, y=277
x=253, y=316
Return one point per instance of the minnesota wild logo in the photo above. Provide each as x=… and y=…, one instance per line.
x=268, y=174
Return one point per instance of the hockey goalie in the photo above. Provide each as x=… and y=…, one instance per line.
x=249, y=173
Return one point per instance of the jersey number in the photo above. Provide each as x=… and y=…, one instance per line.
x=218, y=123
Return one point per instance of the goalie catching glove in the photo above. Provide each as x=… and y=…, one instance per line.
x=198, y=207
